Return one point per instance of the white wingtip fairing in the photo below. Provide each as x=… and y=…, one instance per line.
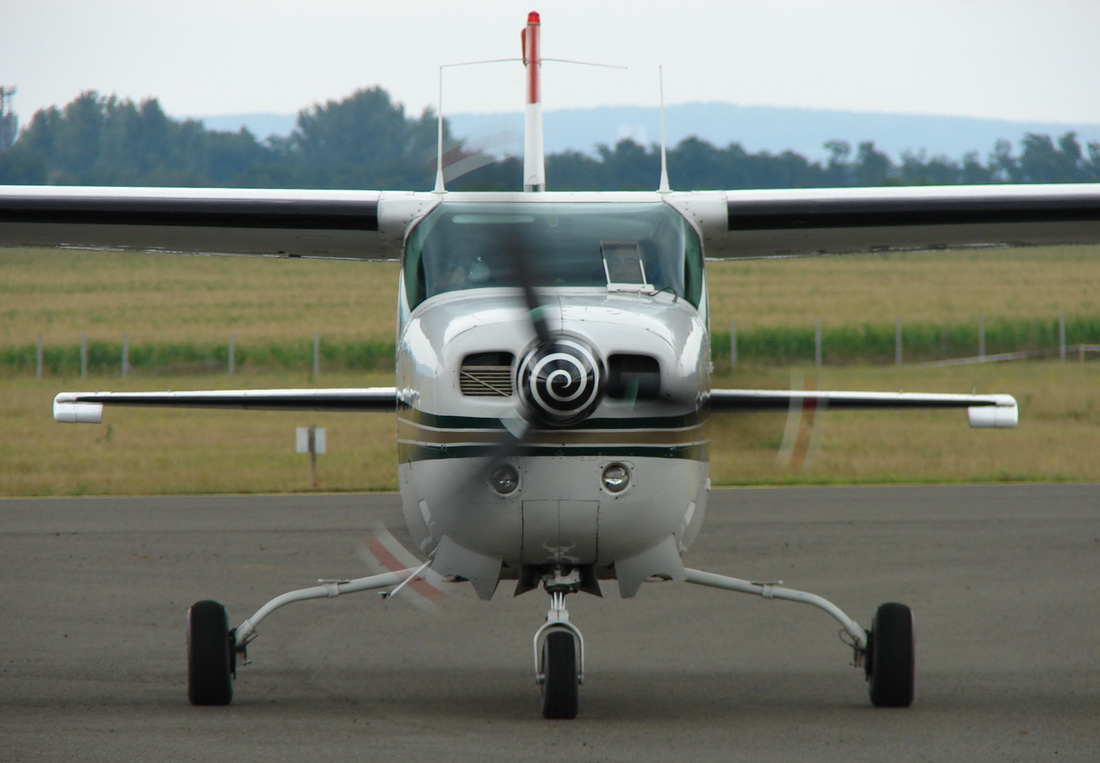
x=67, y=410
x=1004, y=414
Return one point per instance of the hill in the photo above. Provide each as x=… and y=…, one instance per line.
x=756, y=128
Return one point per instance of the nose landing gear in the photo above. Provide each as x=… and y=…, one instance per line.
x=559, y=650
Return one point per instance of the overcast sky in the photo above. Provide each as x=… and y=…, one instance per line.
x=1011, y=59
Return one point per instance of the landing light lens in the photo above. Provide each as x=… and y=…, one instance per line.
x=504, y=479
x=616, y=478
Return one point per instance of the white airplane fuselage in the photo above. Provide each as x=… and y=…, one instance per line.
x=469, y=401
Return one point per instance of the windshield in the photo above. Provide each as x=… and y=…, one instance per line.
x=625, y=246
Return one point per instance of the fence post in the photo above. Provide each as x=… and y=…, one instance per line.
x=733, y=344
x=817, y=343
x=232, y=353
x=125, y=353
x=83, y=354
x=316, y=354
x=1062, y=336
x=981, y=336
x=897, y=341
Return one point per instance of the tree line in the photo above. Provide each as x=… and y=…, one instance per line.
x=368, y=141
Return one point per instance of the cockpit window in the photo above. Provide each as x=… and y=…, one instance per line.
x=639, y=246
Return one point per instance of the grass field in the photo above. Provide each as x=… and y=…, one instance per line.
x=169, y=299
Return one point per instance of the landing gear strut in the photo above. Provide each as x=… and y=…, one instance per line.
x=886, y=652
x=213, y=649
x=559, y=650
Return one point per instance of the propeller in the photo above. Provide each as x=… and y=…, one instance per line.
x=800, y=435
x=382, y=552
x=560, y=379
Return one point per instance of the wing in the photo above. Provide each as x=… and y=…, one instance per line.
x=87, y=407
x=371, y=224
x=744, y=224
x=983, y=411
x=340, y=224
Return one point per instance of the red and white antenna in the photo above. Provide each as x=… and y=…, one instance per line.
x=534, y=163
x=534, y=158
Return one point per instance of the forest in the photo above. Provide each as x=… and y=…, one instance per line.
x=368, y=141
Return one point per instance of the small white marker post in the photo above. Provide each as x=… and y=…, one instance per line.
x=311, y=440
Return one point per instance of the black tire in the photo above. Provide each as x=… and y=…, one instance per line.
x=891, y=656
x=210, y=653
x=559, y=687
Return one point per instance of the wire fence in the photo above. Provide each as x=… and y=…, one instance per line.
x=99, y=357
x=909, y=344
x=820, y=344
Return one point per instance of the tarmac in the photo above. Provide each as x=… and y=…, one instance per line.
x=1002, y=581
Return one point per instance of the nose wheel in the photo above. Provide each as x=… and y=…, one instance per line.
x=559, y=652
x=560, y=677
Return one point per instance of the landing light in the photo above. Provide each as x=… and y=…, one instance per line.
x=616, y=478
x=504, y=479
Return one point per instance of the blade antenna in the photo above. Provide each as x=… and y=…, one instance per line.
x=664, y=186
x=439, y=186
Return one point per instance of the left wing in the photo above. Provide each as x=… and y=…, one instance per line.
x=983, y=411
x=807, y=221
x=87, y=407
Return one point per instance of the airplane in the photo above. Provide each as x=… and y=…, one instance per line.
x=552, y=373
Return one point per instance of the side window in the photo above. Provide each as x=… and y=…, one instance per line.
x=693, y=266
x=413, y=266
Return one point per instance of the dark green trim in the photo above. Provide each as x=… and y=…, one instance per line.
x=410, y=452
x=418, y=417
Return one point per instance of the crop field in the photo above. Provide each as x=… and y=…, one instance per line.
x=180, y=312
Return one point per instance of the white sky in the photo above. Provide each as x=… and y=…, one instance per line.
x=1013, y=59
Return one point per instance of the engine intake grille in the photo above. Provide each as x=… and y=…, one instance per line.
x=487, y=374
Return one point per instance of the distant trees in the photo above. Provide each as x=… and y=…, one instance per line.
x=363, y=141
x=367, y=141
x=101, y=140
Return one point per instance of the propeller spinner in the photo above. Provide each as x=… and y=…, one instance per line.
x=561, y=381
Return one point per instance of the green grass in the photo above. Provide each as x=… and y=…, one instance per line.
x=781, y=345
x=144, y=451
x=180, y=311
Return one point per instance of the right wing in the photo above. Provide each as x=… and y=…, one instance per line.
x=87, y=407
x=305, y=223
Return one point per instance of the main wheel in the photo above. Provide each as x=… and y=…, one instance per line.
x=210, y=655
x=891, y=656
x=559, y=685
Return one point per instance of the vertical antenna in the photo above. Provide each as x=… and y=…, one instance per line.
x=663, y=187
x=534, y=165
x=439, y=188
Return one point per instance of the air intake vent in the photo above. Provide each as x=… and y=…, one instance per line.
x=633, y=377
x=487, y=374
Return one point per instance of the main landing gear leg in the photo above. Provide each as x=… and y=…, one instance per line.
x=213, y=649
x=886, y=652
x=559, y=650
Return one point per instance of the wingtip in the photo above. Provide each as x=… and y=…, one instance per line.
x=1003, y=414
x=68, y=409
